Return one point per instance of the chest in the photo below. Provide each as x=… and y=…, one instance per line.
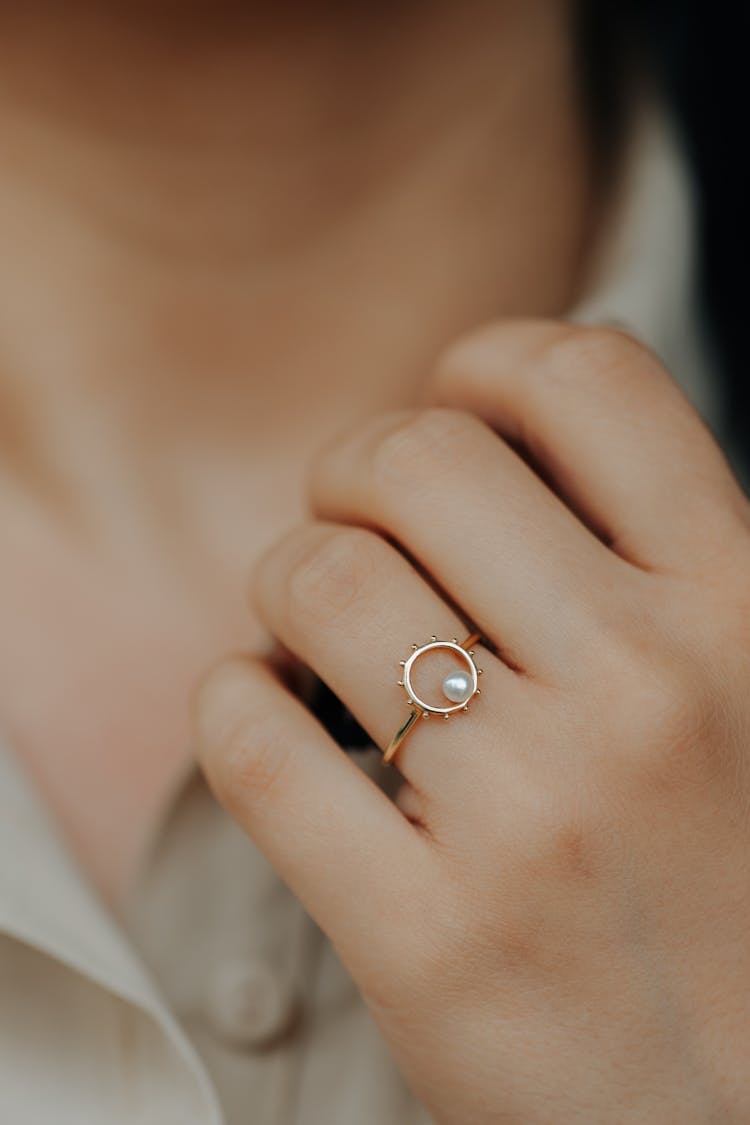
x=99, y=656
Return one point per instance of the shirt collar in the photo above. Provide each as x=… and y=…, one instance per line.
x=47, y=904
x=44, y=901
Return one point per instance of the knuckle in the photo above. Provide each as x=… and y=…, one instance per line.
x=250, y=762
x=567, y=839
x=573, y=851
x=512, y=930
x=334, y=573
x=497, y=927
x=675, y=725
x=570, y=853
x=586, y=357
x=429, y=443
x=240, y=741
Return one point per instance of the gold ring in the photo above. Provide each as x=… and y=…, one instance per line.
x=459, y=687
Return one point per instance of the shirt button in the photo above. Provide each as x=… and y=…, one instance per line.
x=248, y=1005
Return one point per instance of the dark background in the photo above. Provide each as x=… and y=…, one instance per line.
x=699, y=55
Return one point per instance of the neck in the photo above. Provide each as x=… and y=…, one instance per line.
x=228, y=210
x=225, y=234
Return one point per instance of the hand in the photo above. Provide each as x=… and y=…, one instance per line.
x=551, y=922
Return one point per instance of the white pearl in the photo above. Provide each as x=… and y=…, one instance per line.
x=457, y=686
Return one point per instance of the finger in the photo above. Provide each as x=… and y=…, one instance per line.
x=349, y=605
x=480, y=521
x=343, y=847
x=607, y=426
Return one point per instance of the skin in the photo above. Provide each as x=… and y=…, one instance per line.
x=556, y=903
x=206, y=273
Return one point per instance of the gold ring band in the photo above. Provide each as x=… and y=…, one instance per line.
x=459, y=687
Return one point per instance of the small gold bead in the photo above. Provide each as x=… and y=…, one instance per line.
x=446, y=717
x=480, y=671
x=400, y=683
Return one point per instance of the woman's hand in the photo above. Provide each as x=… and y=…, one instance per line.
x=552, y=921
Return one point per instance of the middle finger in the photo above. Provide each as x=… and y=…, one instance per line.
x=481, y=522
x=351, y=606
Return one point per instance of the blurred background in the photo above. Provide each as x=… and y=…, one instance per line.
x=699, y=53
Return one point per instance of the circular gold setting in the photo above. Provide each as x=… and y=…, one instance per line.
x=419, y=707
x=428, y=708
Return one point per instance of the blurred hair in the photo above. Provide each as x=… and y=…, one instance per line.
x=698, y=57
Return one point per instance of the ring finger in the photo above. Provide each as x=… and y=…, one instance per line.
x=351, y=606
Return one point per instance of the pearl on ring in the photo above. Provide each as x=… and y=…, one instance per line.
x=457, y=686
